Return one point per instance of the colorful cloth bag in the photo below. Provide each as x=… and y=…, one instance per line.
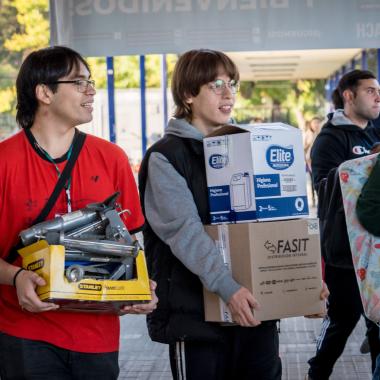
x=365, y=247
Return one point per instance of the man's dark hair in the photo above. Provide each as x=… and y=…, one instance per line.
x=337, y=100
x=194, y=69
x=42, y=67
x=349, y=81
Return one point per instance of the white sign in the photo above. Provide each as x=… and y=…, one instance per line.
x=120, y=27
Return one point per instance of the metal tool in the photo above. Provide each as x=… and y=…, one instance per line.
x=76, y=273
x=101, y=247
x=95, y=235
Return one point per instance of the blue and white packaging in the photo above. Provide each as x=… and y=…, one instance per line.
x=256, y=172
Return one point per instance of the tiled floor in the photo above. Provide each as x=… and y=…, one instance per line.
x=142, y=359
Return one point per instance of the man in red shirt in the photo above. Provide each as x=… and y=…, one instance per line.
x=54, y=95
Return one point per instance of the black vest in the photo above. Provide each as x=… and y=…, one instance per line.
x=180, y=312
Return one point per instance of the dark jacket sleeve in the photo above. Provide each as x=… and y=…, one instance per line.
x=328, y=152
x=368, y=204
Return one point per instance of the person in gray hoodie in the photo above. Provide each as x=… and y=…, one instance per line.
x=181, y=257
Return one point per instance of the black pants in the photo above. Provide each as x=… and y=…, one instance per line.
x=34, y=360
x=245, y=353
x=343, y=313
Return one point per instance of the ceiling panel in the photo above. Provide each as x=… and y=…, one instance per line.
x=292, y=65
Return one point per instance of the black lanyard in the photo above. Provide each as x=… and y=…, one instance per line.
x=68, y=183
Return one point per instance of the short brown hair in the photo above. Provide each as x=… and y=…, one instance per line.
x=194, y=69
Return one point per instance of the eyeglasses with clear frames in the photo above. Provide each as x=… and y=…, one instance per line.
x=219, y=86
x=82, y=84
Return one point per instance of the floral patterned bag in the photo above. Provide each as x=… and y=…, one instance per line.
x=365, y=247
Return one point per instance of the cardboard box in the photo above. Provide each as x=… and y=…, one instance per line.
x=256, y=172
x=107, y=296
x=280, y=262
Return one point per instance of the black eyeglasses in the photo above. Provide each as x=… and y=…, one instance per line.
x=82, y=84
x=219, y=86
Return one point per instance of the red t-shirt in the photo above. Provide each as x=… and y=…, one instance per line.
x=27, y=179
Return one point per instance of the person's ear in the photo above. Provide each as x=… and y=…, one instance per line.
x=348, y=96
x=189, y=99
x=43, y=94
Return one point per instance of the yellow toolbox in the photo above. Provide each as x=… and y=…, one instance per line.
x=92, y=295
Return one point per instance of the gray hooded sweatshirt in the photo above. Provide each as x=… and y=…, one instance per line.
x=173, y=216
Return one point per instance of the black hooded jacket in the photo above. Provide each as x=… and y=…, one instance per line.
x=339, y=141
